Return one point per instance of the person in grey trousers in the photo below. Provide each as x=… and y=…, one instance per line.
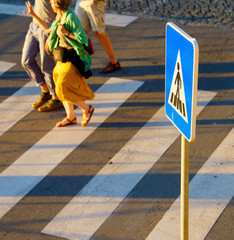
x=42, y=75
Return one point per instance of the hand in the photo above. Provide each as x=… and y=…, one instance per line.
x=47, y=44
x=30, y=11
x=61, y=29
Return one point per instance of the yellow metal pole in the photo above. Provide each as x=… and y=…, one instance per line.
x=184, y=229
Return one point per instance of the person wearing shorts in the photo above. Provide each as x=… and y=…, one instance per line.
x=91, y=13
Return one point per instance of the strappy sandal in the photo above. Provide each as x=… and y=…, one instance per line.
x=111, y=67
x=69, y=122
x=87, y=116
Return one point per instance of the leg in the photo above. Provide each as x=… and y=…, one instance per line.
x=47, y=66
x=29, y=53
x=44, y=88
x=47, y=63
x=114, y=64
x=69, y=108
x=87, y=112
x=96, y=14
x=82, y=105
x=70, y=118
x=106, y=43
x=93, y=14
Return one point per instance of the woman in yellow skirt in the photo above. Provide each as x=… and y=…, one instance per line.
x=71, y=88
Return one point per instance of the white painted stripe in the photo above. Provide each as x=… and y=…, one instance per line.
x=26, y=172
x=86, y=212
x=210, y=191
x=118, y=20
x=17, y=106
x=13, y=9
x=5, y=66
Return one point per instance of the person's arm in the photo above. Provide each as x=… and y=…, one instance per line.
x=47, y=44
x=31, y=13
x=72, y=24
x=65, y=32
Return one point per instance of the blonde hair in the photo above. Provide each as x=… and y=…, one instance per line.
x=61, y=4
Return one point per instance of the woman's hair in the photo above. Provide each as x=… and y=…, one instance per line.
x=61, y=4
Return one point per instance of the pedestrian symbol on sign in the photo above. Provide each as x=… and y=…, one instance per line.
x=177, y=95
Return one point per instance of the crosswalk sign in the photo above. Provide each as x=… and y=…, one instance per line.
x=181, y=80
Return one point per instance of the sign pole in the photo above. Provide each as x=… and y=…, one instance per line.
x=184, y=230
x=181, y=77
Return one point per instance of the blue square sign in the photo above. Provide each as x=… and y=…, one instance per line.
x=181, y=80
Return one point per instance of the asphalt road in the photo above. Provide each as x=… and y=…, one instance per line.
x=111, y=214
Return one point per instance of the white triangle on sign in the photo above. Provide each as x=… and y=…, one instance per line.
x=177, y=95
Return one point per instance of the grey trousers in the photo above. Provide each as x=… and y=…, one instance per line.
x=35, y=43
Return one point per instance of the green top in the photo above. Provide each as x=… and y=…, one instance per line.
x=72, y=23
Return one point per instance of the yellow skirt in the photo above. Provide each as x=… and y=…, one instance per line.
x=70, y=85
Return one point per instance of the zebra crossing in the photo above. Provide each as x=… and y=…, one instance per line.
x=114, y=179
x=91, y=206
x=25, y=172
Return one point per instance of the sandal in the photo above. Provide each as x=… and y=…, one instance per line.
x=69, y=122
x=87, y=116
x=111, y=67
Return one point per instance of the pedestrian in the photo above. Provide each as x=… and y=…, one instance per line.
x=35, y=43
x=92, y=16
x=67, y=35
